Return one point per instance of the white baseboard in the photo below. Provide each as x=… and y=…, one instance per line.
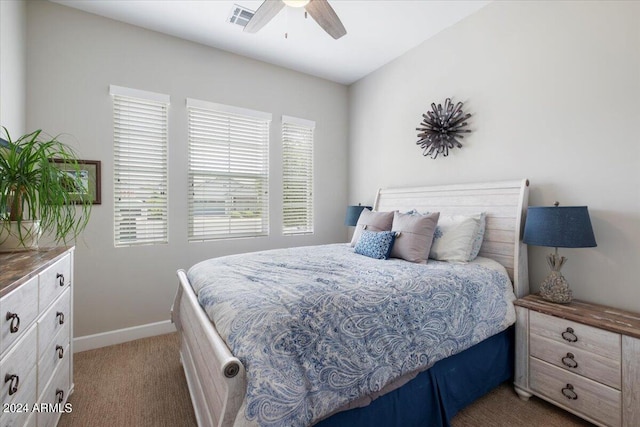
x=104, y=339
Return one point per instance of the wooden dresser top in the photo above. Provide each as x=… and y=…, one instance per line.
x=600, y=316
x=18, y=267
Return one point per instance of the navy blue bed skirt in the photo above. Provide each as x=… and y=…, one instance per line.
x=437, y=394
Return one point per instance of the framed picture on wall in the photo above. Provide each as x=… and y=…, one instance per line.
x=88, y=176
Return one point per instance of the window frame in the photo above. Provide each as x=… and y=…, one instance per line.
x=306, y=204
x=147, y=123
x=218, y=129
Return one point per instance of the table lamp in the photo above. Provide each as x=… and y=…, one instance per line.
x=559, y=227
x=353, y=213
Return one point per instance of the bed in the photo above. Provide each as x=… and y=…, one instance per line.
x=422, y=390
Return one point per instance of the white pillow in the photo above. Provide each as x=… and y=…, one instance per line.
x=477, y=241
x=458, y=237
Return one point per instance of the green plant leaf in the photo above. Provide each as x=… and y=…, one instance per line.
x=32, y=187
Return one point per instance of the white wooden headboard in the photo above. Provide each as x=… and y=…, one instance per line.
x=504, y=202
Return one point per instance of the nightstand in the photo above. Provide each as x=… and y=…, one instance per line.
x=584, y=358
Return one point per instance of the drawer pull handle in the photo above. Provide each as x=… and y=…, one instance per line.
x=60, y=351
x=569, y=361
x=15, y=322
x=569, y=393
x=569, y=335
x=60, y=316
x=60, y=278
x=60, y=395
x=14, y=382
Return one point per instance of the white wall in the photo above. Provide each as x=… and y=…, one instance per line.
x=554, y=88
x=13, y=30
x=73, y=57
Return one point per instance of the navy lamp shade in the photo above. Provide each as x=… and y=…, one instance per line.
x=558, y=227
x=353, y=213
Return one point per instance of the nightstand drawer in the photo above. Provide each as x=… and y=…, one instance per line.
x=576, y=335
x=574, y=392
x=576, y=360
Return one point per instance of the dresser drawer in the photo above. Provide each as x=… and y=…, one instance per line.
x=572, y=359
x=54, y=280
x=55, y=319
x=55, y=394
x=21, y=362
x=17, y=311
x=54, y=355
x=576, y=335
x=23, y=418
x=595, y=400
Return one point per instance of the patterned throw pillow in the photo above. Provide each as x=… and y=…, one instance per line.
x=375, y=244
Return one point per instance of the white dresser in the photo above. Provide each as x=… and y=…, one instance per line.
x=36, y=298
x=582, y=357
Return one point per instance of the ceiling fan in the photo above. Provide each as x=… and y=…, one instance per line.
x=320, y=11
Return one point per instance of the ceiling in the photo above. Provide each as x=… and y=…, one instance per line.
x=378, y=31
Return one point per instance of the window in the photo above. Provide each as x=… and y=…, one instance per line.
x=140, y=138
x=297, y=175
x=228, y=171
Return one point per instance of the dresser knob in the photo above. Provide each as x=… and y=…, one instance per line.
x=60, y=395
x=569, y=335
x=60, y=316
x=15, y=322
x=60, y=278
x=569, y=361
x=60, y=351
x=569, y=393
x=14, y=382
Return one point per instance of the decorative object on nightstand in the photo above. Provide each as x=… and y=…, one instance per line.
x=353, y=213
x=559, y=227
x=441, y=129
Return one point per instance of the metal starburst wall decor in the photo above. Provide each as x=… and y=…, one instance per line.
x=442, y=128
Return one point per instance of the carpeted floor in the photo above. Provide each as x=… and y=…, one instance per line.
x=141, y=384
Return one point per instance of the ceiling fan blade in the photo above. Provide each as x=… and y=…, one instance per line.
x=264, y=14
x=322, y=12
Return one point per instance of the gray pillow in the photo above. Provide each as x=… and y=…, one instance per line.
x=415, y=235
x=372, y=221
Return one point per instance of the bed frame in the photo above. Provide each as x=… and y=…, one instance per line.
x=216, y=378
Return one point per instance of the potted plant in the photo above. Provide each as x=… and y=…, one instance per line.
x=36, y=196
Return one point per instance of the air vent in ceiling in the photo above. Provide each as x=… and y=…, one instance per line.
x=240, y=15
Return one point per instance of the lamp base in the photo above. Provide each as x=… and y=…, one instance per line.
x=556, y=289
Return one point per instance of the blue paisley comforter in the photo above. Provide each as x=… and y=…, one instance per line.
x=319, y=327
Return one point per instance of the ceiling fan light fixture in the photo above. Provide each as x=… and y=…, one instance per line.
x=296, y=3
x=320, y=10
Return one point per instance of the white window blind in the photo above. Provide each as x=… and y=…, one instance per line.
x=140, y=136
x=297, y=175
x=228, y=171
